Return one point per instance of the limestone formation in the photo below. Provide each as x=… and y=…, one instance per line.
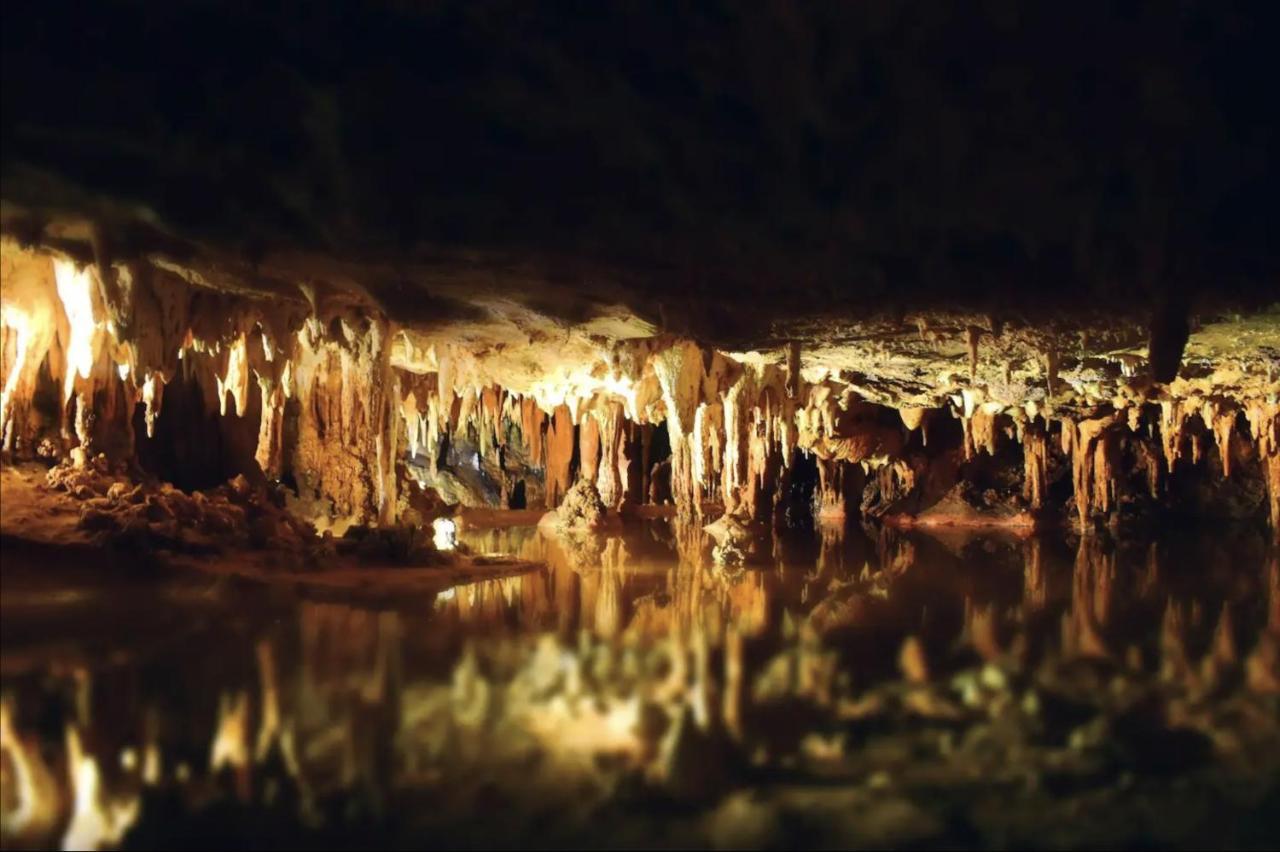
x=336, y=395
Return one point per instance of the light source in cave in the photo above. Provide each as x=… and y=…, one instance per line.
x=76, y=291
x=444, y=533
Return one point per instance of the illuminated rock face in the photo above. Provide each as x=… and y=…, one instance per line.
x=340, y=398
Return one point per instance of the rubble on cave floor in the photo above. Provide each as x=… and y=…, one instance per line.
x=580, y=512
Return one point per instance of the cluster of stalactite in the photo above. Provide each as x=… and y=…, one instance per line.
x=101, y=339
x=735, y=431
x=108, y=342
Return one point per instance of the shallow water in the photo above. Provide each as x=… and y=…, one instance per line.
x=839, y=689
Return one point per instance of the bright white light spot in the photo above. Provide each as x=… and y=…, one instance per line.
x=75, y=290
x=446, y=533
x=475, y=461
x=123, y=370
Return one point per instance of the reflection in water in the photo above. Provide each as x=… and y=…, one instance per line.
x=887, y=689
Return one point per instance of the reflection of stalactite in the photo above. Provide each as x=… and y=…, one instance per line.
x=1175, y=662
x=1092, y=593
x=31, y=788
x=831, y=490
x=982, y=630
x=1035, y=581
x=897, y=552
x=610, y=613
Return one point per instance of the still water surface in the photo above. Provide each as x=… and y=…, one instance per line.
x=841, y=689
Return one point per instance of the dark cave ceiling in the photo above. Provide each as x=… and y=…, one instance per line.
x=721, y=169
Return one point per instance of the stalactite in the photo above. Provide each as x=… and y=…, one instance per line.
x=1051, y=371
x=152, y=397
x=971, y=334
x=235, y=380
x=612, y=479
x=532, y=421
x=1221, y=419
x=1150, y=463
x=491, y=420
x=30, y=317
x=916, y=418
x=733, y=466
x=270, y=450
x=978, y=420
x=679, y=370
x=793, y=370
x=81, y=302
x=1172, y=421
x=1273, y=490
x=1091, y=446
x=346, y=446
x=589, y=449
x=1035, y=464
x=1264, y=426
x=559, y=448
